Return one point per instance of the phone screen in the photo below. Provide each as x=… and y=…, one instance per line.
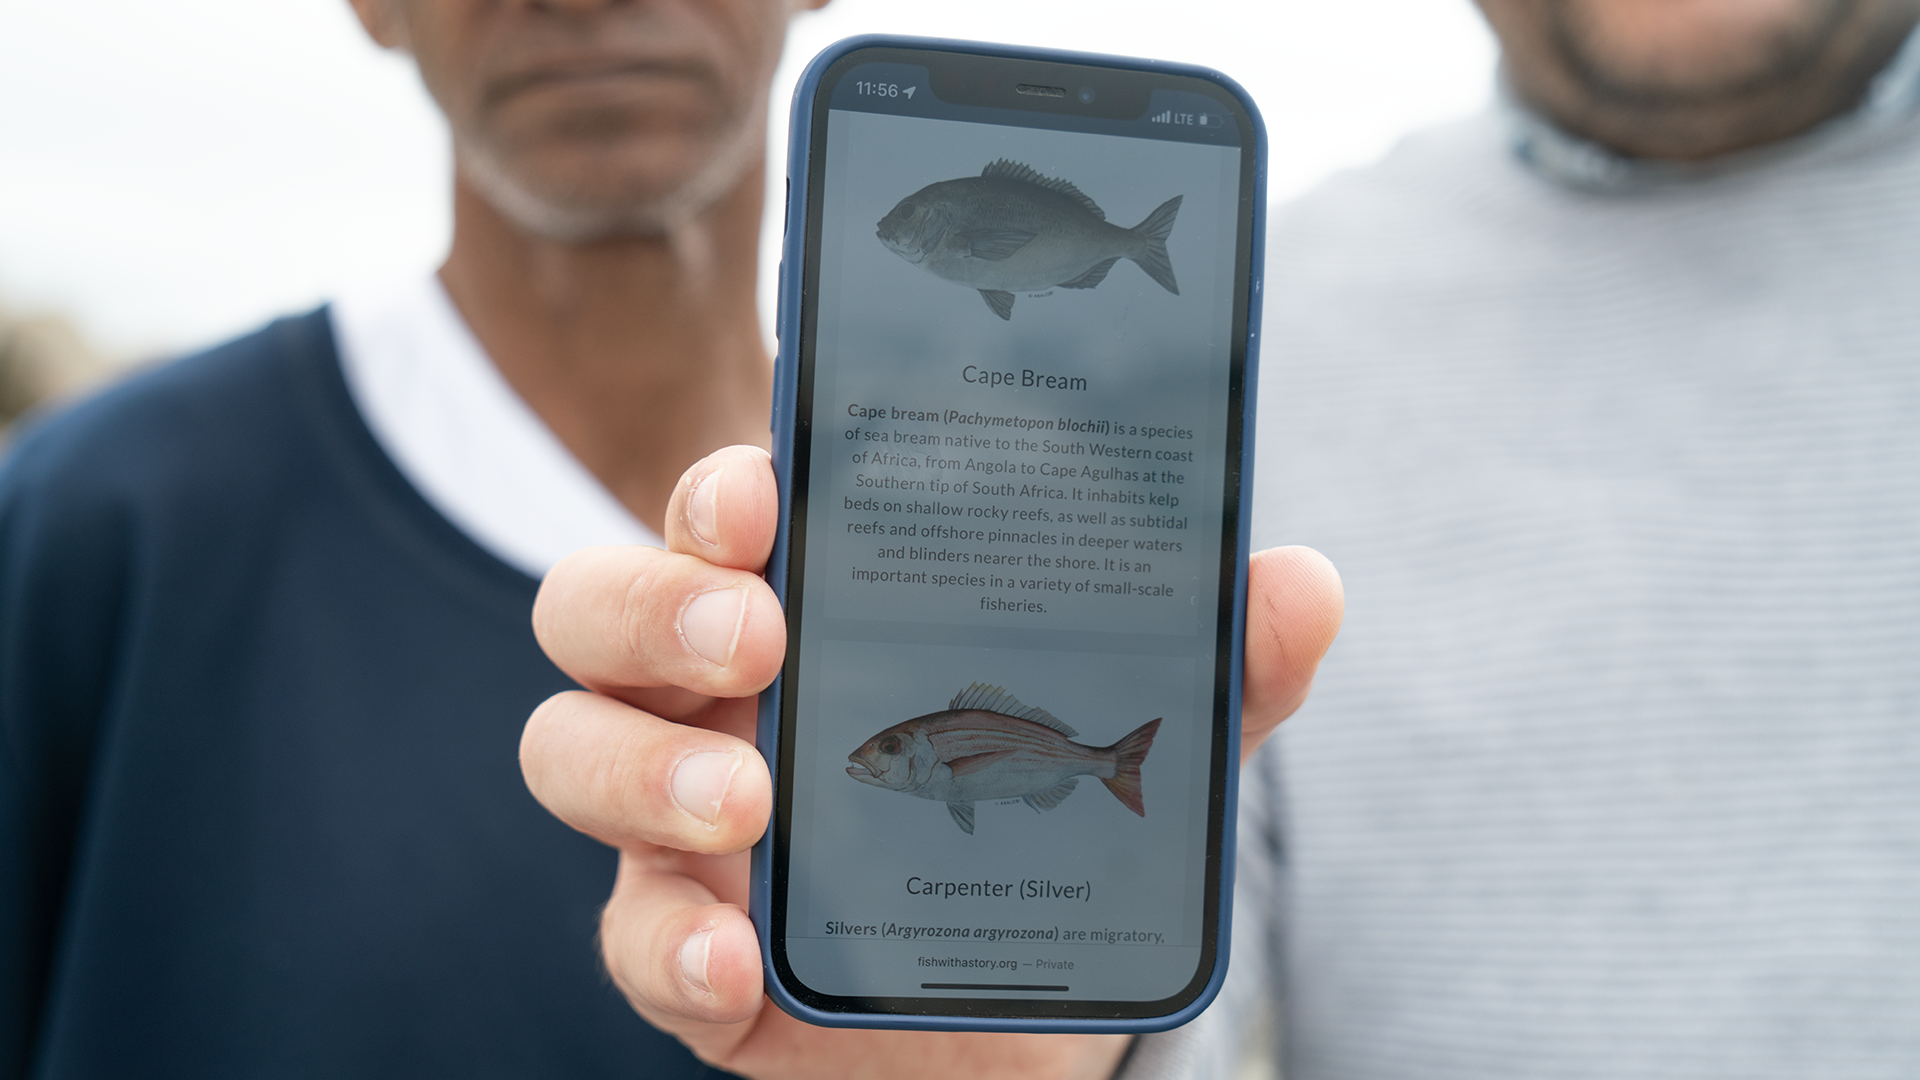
x=1013, y=540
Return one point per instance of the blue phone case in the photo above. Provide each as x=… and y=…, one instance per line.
x=785, y=394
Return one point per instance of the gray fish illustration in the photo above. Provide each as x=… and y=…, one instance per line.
x=986, y=745
x=1011, y=229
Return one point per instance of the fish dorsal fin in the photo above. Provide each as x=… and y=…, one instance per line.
x=1050, y=798
x=996, y=699
x=962, y=815
x=1013, y=170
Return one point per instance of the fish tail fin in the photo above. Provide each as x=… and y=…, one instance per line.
x=1128, y=755
x=1155, y=230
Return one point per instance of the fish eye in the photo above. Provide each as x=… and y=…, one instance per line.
x=890, y=744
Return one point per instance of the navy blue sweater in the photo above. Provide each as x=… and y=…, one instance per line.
x=260, y=807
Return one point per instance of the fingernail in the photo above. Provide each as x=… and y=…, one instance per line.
x=711, y=623
x=700, y=783
x=693, y=960
x=703, y=508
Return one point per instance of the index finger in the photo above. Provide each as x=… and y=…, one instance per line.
x=625, y=618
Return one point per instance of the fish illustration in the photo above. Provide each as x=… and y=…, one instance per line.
x=986, y=745
x=1011, y=229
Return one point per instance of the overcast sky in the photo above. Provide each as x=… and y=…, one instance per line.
x=173, y=173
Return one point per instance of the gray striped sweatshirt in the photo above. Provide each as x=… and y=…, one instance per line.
x=1615, y=770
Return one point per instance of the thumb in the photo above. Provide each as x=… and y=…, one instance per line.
x=1294, y=607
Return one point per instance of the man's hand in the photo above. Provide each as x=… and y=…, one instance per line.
x=657, y=760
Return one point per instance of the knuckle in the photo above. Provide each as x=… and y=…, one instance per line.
x=638, y=625
x=611, y=779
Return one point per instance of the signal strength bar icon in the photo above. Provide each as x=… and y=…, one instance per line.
x=1163, y=118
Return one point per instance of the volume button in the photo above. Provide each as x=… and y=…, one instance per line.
x=780, y=300
x=779, y=353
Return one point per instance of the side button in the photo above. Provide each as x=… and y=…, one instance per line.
x=780, y=300
x=779, y=354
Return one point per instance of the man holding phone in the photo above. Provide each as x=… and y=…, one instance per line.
x=1611, y=394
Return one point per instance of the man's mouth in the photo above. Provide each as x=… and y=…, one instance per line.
x=586, y=72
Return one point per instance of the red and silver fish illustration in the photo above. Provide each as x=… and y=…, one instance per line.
x=986, y=745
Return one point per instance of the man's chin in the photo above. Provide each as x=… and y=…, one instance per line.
x=1659, y=53
x=590, y=196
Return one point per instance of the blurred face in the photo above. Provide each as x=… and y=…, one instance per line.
x=587, y=119
x=1692, y=78
x=1682, y=50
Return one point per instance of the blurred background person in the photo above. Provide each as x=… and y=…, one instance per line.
x=1604, y=405
x=264, y=641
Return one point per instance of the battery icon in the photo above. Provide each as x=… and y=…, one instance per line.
x=1208, y=121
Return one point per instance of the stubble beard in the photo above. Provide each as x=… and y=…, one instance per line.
x=543, y=209
x=1689, y=90
x=1773, y=62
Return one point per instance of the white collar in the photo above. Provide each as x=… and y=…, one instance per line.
x=463, y=438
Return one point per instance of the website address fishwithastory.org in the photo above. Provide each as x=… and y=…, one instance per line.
x=962, y=962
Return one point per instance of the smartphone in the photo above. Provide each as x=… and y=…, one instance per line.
x=1012, y=428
